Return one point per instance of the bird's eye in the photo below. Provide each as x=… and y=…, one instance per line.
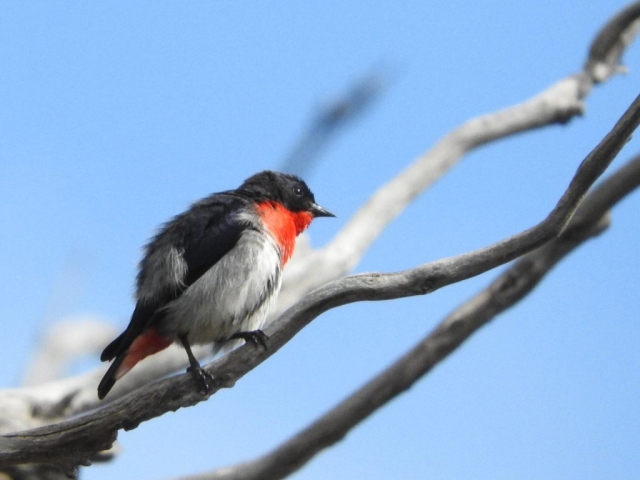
x=297, y=191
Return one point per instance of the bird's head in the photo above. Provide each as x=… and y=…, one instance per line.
x=288, y=190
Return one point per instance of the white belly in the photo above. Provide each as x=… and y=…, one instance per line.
x=233, y=296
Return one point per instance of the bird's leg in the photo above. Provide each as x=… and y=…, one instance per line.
x=255, y=336
x=203, y=378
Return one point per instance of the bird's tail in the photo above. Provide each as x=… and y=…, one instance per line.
x=148, y=343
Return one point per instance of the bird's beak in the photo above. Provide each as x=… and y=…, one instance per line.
x=318, y=211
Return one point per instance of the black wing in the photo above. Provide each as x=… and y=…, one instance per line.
x=184, y=249
x=210, y=238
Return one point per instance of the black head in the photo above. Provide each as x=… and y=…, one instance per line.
x=284, y=188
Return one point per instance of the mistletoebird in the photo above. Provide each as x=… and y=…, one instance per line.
x=212, y=273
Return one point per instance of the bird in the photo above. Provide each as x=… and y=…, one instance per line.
x=211, y=274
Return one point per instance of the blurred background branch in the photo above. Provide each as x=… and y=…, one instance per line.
x=332, y=117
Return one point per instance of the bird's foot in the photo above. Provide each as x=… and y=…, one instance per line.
x=204, y=379
x=257, y=337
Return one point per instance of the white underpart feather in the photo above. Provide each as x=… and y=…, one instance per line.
x=233, y=296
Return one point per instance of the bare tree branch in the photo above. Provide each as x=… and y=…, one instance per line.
x=509, y=288
x=74, y=442
x=558, y=104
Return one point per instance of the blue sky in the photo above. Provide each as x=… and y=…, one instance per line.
x=116, y=115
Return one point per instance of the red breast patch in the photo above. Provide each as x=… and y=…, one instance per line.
x=284, y=225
